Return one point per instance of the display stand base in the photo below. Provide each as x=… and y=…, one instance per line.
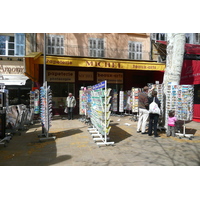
x=180, y=135
x=98, y=137
x=45, y=137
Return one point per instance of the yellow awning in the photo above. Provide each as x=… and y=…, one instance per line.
x=102, y=63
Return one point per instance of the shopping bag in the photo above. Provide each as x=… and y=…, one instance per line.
x=153, y=107
x=66, y=110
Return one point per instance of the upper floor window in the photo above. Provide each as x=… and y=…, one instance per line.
x=96, y=47
x=135, y=50
x=55, y=44
x=158, y=36
x=196, y=38
x=12, y=45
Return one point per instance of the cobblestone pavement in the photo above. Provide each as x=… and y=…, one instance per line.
x=74, y=146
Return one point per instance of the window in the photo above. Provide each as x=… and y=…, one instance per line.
x=12, y=45
x=96, y=47
x=135, y=50
x=55, y=44
x=196, y=38
x=188, y=38
x=158, y=36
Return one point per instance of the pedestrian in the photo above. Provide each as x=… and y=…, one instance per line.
x=153, y=118
x=70, y=104
x=171, y=123
x=143, y=110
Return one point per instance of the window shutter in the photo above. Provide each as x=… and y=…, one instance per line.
x=19, y=44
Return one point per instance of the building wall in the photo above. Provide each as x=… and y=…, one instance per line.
x=115, y=44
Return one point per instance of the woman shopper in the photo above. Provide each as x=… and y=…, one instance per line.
x=153, y=118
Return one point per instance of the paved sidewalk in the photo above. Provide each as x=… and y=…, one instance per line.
x=74, y=146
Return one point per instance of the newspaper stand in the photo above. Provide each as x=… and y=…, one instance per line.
x=100, y=113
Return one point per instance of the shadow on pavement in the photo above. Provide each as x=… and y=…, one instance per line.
x=117, y=134
x=180, y=154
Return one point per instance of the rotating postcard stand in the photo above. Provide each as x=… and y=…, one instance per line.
x=121, y=103
x=46, y=111
x=184, y=107
x=100, y=113
x=180, y=99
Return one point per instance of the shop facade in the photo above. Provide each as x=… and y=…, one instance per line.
x=68, y=74
x=190, y=72
x=17, y=84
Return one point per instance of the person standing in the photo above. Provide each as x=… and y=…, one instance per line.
x=143, y=110
x=70, y=104
x=171, y=123
x=153, y=118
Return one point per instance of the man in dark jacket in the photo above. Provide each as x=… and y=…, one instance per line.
x=153, y=118
x=143, y=110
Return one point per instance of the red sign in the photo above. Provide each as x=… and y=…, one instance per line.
x=190, y=72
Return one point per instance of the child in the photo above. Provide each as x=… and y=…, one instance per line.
x=171, y=123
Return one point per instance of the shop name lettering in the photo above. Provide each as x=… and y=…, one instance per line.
x=11, y=70
x=143, y=67
x=116, y=65
x=61, y=62
x=105, y=64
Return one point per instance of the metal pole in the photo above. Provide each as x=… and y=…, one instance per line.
x=44, y=65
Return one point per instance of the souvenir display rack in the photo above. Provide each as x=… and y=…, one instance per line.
x=114, y=102
x=121, y=102
x=160, y=88
x=85, y=104
x=180, y=99
x=34, y=101
x=100, y=113
x=127, y=102
x=45, y=111
x=135, y=109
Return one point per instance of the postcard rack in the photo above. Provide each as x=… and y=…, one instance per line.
x=100, y=113
x=180, y=99
x=45, y=111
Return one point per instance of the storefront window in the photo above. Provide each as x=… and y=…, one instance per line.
x=60, y=92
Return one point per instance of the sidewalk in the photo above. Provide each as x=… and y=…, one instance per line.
x=74, y=146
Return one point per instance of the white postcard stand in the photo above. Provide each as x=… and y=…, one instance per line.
x=45, y=111
x=160, y=88
x=180, y=99
x=127, y=102
x=121, y=102
x=100, y=113
x=114, y=103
